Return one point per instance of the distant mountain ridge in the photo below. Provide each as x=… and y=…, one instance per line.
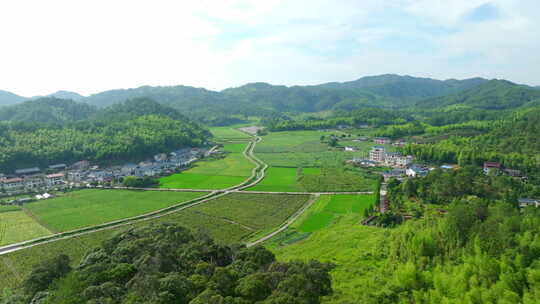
x=8, y=98
x=492, y=95
x=388, y=90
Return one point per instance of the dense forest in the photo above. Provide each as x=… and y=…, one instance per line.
x=169, y=264
x=131, y=130
x=470, y=243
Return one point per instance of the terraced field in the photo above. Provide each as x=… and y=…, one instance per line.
x=214, y=173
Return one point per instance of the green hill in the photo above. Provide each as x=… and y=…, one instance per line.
x=8, y=98
x=491, y=95
x=49, y=110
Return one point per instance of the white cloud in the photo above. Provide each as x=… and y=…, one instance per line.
x=90, y=46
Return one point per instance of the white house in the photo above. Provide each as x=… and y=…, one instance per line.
x=54, y=179
x=416, y=171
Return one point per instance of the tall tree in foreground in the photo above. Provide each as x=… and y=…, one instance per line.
x=169, y=264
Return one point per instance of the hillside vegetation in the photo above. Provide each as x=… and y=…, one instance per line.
x=131, y=130
x=169, y=264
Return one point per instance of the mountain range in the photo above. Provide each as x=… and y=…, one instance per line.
x=263, y=99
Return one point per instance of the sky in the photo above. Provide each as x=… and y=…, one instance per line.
x=98, y=45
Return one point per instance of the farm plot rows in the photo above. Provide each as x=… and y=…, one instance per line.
x=330, y=232
x=314, y=180
x=90, y=207
x=294, y=158
x=229, y=219
x=220, y=173
x=17, y=226
x=228, y=133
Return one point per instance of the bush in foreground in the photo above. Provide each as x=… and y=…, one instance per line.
x=169, y=264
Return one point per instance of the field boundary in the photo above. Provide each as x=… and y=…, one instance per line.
x=313, y=198
x=257, y=175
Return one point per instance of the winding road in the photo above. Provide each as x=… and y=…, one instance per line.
x=258, y=174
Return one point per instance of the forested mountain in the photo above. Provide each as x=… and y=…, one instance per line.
x=8, y=98
x=491, y=95
x=48, y=110
x=406, y=87
x=67, y=95
x=133, y=108
x=25, y=145
x=50, y=130
x=265, y=99
x=179, y=96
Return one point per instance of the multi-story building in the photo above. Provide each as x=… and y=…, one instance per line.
x=377, y=154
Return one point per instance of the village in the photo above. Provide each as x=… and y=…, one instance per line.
x=403, y=166
x=83, y=173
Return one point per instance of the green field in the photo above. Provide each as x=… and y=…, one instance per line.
x=256, y=211
x=341, y=240
x=293, y=141
x=228, y=133
x=17, y=226
x=90, y=207
x=214, y=173
x=229, y=219
x=281, y=179
x=314, y=180
x=330, y=206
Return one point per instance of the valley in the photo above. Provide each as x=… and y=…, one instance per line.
x=308, y=186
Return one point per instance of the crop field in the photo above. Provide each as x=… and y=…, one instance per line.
x=228, y=133
x=296, y=141
x=17, y=226
x=330, y=206
x=89, y=207
x=234, y=148
x=229, y=219
x=282, y=179
x=256, y=211
x=354, y=249
x=15, y=266
x=214, y=173
x=314, y=180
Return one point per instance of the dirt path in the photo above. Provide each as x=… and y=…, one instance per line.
x=291, y=220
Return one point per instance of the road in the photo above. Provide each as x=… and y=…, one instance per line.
x=258, y=174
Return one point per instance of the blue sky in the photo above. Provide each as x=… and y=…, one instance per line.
x=91, y=46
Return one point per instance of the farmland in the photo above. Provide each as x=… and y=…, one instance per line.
x=330, y=231
x=17, y=226
x=299, y=161
x=314, y=180
x=228, y=134
x=219, y=173
x=229, y=219
x=91, y=207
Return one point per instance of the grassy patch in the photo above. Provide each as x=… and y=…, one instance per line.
x=353, y=248
x=279, y=179
x=215, y=173
x=17, y=226
x=314, y=180
x=228, y=133
x=91, y=207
